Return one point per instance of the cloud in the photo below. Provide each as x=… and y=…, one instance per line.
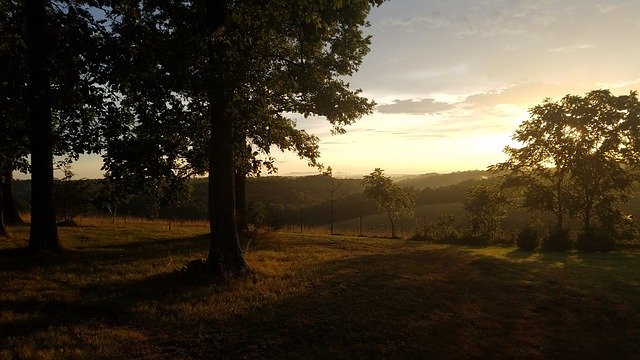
x=414, y=107
x=621, y=88
x=518, y=17
x=606, y=8
x=572, y=48
x=523, y=95
x=430, y=21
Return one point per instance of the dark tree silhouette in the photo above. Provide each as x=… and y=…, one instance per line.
x=234, y=83
x=388, y=196
x=43, y=232
x=579, y=156
x=9, y=207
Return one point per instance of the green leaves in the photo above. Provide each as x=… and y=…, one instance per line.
x=388, y=195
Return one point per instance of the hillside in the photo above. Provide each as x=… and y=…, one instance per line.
x=288, y=200
x=434, y=180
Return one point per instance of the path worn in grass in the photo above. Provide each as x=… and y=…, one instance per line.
x=115, y=293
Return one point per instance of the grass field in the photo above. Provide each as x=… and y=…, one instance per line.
x=116, y=293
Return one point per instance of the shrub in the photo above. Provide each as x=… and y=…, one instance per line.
x=443, y=230
x=557, y=240
x=527, y=238
x=595, y=239
x=473, y=240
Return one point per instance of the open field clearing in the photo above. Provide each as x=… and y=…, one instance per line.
x=117, y=293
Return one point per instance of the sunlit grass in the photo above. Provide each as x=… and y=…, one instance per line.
x=116, y=292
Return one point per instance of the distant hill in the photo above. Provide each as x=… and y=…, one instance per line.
x=287, y=200
x=434, y=180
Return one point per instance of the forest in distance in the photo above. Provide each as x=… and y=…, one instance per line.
x=282, y=196
x=288, y=201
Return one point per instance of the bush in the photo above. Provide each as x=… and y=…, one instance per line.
x=473, y=240
x=595, y=239
x=557, y=240
x=527, y=238
x=443, y=230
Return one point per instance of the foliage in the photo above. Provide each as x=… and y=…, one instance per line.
x=388, y=196
x=486, y=207
x=72, y=197
x=595, y=239
x=442, y=229
x=244, y=68
x=579, y=156
x=527, y=238
x=557, y=240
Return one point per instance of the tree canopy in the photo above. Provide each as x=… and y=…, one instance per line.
x=579, y=156
x=244, y=70
x=388, y=196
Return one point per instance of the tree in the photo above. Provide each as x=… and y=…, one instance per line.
x=388, y=196
x=244, y=66
x=13, y=126
x=335, y=185
x=52, y=54
x=43, y=232
x=579, y=155
x=486, y=207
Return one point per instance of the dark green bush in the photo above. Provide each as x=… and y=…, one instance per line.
x=527, y=238
x=473, y=240
x=595, y=239
x=557, y=240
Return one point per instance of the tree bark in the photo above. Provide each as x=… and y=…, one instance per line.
x=11, y=214
x=43, y=232
x=241, y=199
x=225, y=257
x=331, y=213
x=3, y=229
x=393, y=225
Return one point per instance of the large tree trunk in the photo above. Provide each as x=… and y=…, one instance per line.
x=43, y=232
x=225, y=257
x=11, y=214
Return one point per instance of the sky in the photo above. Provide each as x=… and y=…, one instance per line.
x=454, y=79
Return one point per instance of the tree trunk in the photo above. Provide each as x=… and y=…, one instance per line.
x=241, y=199
x=331, y=210
x=225, y=257
x=43, y=232
x=587, y=216
x=560, y=200
x=393, y=225
x=3, y=229
x=11, y=214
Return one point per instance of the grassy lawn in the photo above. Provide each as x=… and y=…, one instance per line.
x=115, y=293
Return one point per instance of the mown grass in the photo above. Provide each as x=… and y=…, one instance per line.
x=116, y=293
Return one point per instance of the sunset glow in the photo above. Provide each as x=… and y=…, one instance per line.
x=453, y=79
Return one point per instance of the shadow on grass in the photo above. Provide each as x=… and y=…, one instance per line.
x=520, y=254
x=429, y=305
x=399, y=304
x=18, y=259
x=107, y=303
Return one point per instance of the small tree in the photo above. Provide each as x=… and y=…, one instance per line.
x=333, y=192
x=486, y=207
x=388, y=196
